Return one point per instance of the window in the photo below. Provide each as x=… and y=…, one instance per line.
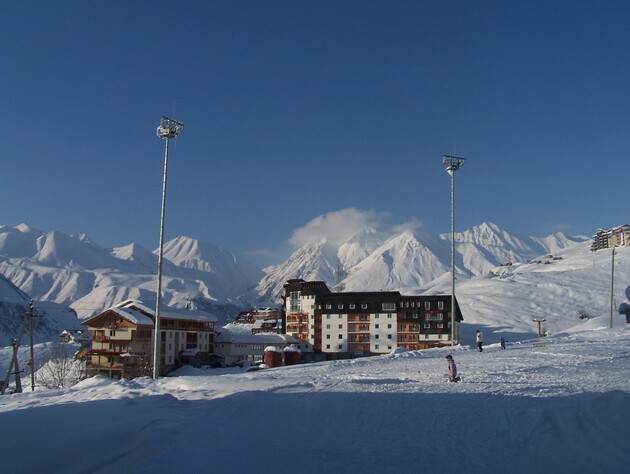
x=327, y=326
x=327, y=336
x=414, y=315
x=327, y=346
x=376, y=336
x=363, y=305
x=376, y=326
x=340, y=306
x=434, y=316
x=294, y=302
x=440, y=304
x=328, y=306
x=427, y=305
x=341, y=326
x=375, y=346
x=389, y=326
x=340, y=336
x=389, y=336
x=427, y=326
x=440, y=325
x=340, y=346
x=389, y=306
x=352, y=305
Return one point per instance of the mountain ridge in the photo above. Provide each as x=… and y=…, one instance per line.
x=75, y=271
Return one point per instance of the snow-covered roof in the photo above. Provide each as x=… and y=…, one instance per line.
x=134, y=316
x=170, y=313
x=190, y=352
x=241, y=334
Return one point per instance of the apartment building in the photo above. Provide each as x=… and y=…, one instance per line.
x=353, y=324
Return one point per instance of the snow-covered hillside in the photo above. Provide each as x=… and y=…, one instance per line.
x=562, y=405
x=560, y=289
x=50, y=318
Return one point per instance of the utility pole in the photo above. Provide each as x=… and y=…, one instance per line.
x=14, y=365
x=30, y=330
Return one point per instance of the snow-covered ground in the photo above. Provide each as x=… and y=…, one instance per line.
x=556, y=404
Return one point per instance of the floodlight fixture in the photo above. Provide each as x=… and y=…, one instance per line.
x=452, y=164
x=168, y=128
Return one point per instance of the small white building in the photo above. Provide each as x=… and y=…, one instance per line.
x=235, y=343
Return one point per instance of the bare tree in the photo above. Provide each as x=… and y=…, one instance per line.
x=62, y=368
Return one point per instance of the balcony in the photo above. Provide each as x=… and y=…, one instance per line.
x=358, y=328
x=102, y=338
x=116, y=366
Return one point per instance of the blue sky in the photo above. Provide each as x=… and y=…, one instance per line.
x=295, y=110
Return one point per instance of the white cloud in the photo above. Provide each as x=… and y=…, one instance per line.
x=338, y=226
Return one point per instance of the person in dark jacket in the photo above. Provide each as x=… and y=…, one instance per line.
x=452, y=369
x=502, y=343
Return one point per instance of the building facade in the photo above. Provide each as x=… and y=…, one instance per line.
x=609, y=238
x=354, y=324
x=122, y=340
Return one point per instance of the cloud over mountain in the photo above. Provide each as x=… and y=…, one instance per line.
x=337, y=226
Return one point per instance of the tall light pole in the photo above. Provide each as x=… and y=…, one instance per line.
x=452, y=164
x=612, y=286
x=168, y=129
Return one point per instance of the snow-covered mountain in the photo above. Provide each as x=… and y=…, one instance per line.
x=75, y=271
x=407, y=261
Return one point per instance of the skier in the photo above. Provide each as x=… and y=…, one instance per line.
x=452, y=369
x=502, y=343
x=479, y=340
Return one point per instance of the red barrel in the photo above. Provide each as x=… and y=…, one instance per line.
x=273, y=356
x=292, y=355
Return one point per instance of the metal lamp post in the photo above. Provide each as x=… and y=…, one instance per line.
x=452, y=164
x=168, y=129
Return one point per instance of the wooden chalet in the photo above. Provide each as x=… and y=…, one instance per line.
x=122, y=341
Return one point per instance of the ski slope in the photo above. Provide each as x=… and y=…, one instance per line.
x=556, y=404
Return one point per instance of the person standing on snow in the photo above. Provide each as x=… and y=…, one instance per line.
x=479, y=340
x=452, y=369
x=502, y=343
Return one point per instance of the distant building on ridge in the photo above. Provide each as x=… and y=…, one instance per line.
x=609, y=238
